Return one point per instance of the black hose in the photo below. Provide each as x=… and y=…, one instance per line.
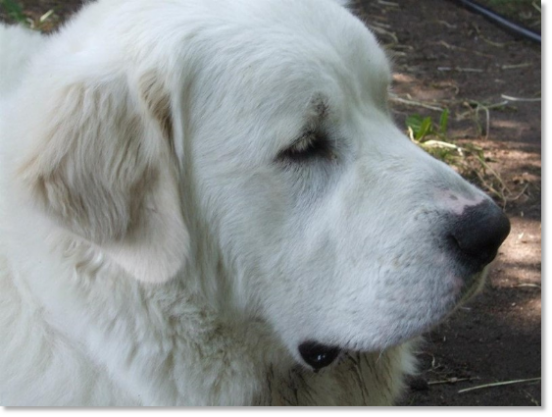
x=502, y=21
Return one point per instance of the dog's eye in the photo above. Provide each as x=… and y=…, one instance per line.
x=311, y=145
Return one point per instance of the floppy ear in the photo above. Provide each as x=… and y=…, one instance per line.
x=103, y=167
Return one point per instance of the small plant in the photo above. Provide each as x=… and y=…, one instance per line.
x=421, y=127
x=433, y=137
x=14, y=11
x=468, y=160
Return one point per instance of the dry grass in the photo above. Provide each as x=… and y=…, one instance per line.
x=500, y=384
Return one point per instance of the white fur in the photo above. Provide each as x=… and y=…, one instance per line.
x=17, y=44
x=156, y=248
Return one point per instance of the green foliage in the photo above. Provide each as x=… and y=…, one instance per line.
x=424, y=127
x=433, y=136
x=469, y=160
x=14, y=11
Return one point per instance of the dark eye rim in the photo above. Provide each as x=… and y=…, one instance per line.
x=318, y=147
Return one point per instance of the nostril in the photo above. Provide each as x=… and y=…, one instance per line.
x=479, y=231
x=318, y=355
x=479, y=257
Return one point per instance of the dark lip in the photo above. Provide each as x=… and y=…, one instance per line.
x=318, y=355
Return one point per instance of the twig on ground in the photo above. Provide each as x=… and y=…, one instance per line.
x=516, y=66
x=529, y=285
x=388, y=3
x=447, y=24
x=452, y=380
x=414, y=103
x=499, y=384
x=459, y=69
x=382, y=31
x=482, y=107
x=510, y=199
x=459, y=48
x=510, y=98
x=490, y=42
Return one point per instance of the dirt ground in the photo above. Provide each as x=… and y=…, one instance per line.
x=445, y=56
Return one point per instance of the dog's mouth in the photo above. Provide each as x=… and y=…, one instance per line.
x=317, y=355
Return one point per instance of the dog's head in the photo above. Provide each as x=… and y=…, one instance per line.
x=258, y=137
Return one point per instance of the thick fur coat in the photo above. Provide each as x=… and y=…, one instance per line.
x=191, y=190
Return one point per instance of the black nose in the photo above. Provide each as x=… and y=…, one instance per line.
x=478, y=233
x=317, y=355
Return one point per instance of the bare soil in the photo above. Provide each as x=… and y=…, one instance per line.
x=445, y=56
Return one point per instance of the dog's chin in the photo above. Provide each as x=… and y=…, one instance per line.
x=316, y=355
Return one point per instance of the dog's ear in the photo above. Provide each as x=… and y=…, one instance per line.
x=103, y=167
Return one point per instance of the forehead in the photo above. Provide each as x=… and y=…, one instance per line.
x=274, y=58
x=295, y=45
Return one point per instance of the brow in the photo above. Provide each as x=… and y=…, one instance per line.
x=317, y=111
x=319, y=105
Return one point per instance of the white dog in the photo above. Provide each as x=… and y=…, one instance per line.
x=206, y=202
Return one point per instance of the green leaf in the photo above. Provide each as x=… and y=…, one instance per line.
x=425, y=128
x=414, y=122
x=14, y=10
